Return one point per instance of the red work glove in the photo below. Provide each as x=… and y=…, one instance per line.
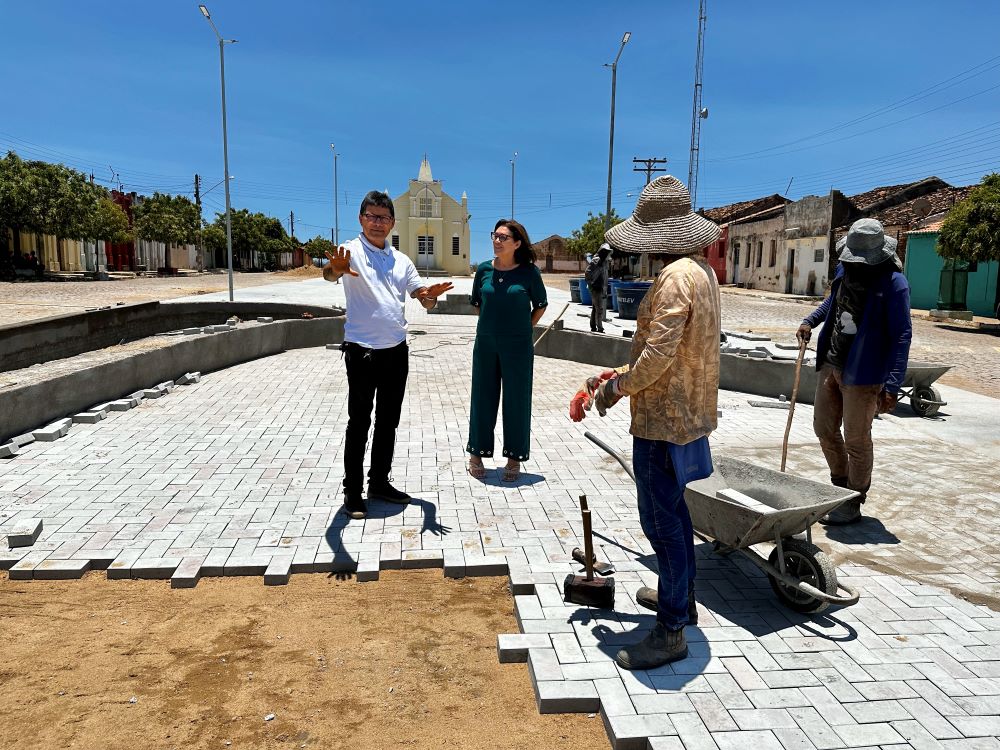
x=584, y=398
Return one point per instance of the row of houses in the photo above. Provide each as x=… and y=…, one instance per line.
x=786, y=246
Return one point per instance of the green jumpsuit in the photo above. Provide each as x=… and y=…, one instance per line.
x=503, y=354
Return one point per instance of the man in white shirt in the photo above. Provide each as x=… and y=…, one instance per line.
x=377, y=279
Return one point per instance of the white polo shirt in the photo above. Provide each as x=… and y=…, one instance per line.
x=376, y=297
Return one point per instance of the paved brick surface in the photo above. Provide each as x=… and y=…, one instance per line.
x=239, y=474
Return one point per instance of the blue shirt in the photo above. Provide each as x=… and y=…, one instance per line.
x=881, y=347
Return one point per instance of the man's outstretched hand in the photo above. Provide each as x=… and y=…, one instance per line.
x=433, y=291
x=340, y=262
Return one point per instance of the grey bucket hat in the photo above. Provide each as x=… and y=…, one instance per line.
x=866, y=243
x=663, y=222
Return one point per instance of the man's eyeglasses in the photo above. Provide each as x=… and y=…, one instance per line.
x=501, y=238
x=376, y=219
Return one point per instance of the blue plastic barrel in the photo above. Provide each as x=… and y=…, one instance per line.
x=585, y=297
x=628, y=295
x=612, y=299
x=574, y=290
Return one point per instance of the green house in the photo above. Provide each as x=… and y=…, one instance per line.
x=923, y=271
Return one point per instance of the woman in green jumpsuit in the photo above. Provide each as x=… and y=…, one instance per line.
x=510, y=297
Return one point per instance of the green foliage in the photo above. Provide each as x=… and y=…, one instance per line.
x=971, y=230
x=588, y=238
x=318, y=247
x=45, y=198
x=108, y=222
x=251, y=232
x=167, y=218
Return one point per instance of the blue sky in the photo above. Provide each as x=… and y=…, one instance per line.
x=847, y=95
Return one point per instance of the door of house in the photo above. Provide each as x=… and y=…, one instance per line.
x=425, y=252
x=790, y=270
x=736, y=264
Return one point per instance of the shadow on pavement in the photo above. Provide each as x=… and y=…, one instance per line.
x=869, y=530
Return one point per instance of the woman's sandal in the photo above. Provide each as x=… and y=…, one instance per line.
x=476, y=469
x=512, y=473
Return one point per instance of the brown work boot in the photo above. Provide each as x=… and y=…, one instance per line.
x=659, y=647
x=847, y=512
x=648, y=598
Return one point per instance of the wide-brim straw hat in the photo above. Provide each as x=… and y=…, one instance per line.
x=663, y=222
x=866, y=243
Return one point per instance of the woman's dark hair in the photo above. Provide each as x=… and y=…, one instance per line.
x=525, y=253
x=378, y=199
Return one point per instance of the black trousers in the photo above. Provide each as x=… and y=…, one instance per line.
x=374, y=376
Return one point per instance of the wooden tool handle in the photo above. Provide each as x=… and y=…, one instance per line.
x=588, y=545
x=791, y=405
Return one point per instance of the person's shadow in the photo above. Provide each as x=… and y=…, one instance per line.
x=340, y=538
x=494, y=478
x=869, y=530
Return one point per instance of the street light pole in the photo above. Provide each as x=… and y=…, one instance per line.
x=611, y=145
x=336, y=205
x=225, y=145
x=512, y=185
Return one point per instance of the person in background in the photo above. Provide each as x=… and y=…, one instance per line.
x=510, y=298
x=861, y=357
x=596, y=277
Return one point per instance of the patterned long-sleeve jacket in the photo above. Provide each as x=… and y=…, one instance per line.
x=673, y=373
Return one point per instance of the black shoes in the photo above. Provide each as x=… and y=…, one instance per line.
x=385, y=491
x=354, y=505
x=647, y=597
x=846, y=513
x=660, y=647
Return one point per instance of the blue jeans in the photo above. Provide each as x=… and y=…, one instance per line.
x=667, y=525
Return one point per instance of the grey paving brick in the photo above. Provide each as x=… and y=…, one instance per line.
x=861, y=735
x=187, y=573
x=815, y=727
x=153, y=568
x=454, y=563
x=513, y=647
x=368, y=564
x=668, y=743
x=560, y=696
x=615, y=700
x=278, y=571
x=543, y=665
x=758, y=740
x=873, y=712
x=51, y=570
x=631, y=732
x=25, y=532
x=977, y=726
x=9, y=450
x=762, y=718
x=793, y=738
x=692, y=731
x=715, y=716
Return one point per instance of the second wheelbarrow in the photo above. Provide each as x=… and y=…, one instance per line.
x=742, y=504
x=925, y=399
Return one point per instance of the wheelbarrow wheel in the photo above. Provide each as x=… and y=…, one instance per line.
x=921, y=398
x=809, y=564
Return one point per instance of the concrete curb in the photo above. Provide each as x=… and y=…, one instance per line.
x=24, y=407
x=760, y=377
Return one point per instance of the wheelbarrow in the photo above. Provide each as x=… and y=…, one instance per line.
x=925, y=400
x=742, y=504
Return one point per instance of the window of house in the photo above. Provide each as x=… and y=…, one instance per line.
x=760, y=254
x=774, y=253
x=454, y=245
x=818, y=255
x=395, y=241
x=746, y=262
x=426, y=206
x=425, y=245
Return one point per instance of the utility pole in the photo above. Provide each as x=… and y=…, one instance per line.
x=650, y=167
x=611, y=144
x=291, y=224
x=697, y=112
x=336, y=205
x=198, y=250
x=512, y=185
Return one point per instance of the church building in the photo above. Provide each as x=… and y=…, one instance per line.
x=432, y=228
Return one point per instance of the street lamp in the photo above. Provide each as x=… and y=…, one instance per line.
x=225, y=144
x=512, y=185
x=336, y=206
x=611, y=146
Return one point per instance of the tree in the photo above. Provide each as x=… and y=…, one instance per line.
x=252, y=232
x=971, y=230
x=318, y=247
x=168, y=218
x=45, y=198
x=588, y=238
x=108, y=222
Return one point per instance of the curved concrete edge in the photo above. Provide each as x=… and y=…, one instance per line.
x=27, y=406
x=759, y=377
x=61, y=336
